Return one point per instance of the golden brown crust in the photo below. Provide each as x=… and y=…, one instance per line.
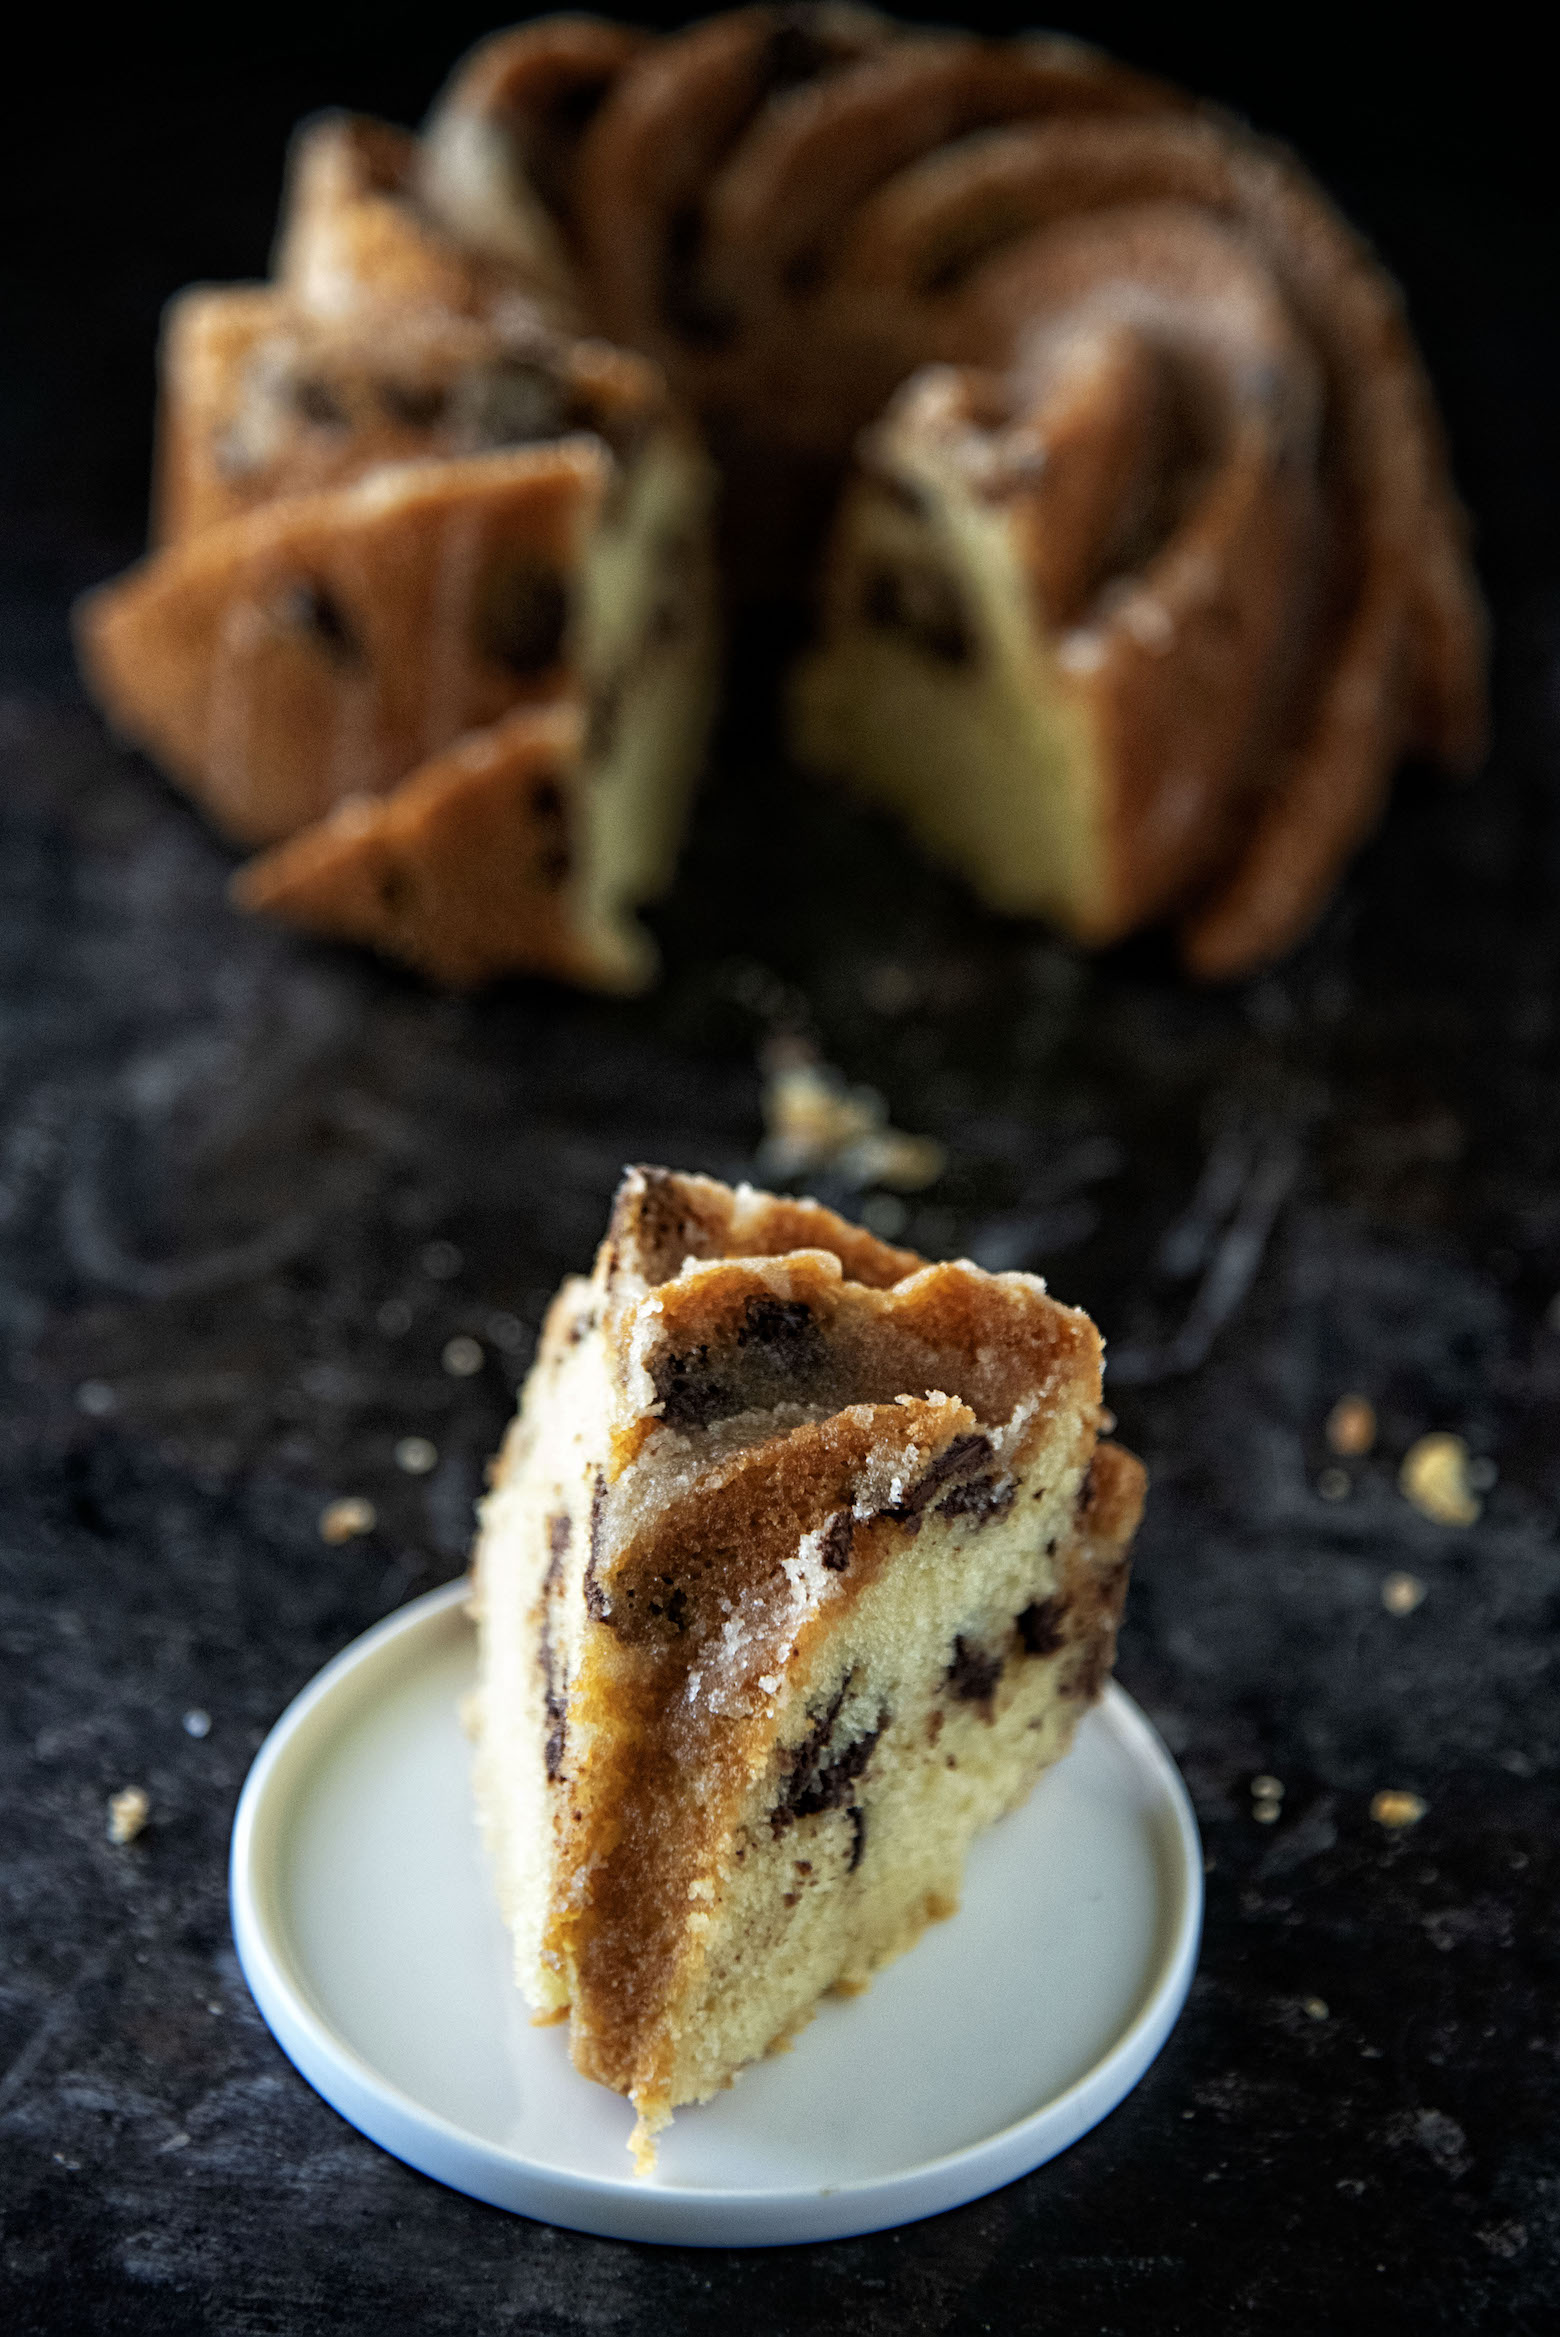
x=355, y=238
x=262, y=399
x=463, y=871
x=325, y=645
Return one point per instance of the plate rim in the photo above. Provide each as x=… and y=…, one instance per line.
x=626, y=2207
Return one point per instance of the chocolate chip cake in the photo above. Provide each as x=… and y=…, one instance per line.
x=801, y=1562
x=379, y=544
x=1096, y=437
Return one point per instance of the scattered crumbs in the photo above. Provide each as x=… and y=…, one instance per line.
x=462, y=1356
x=197, y=1723
x=174, y=2142
x=1370, y=2052
x=441, y=1261
x=1434, y=1477
x=127, y=1814
x=394, y=1318
x=1350, y=2185
x=1394, y=1809
x=813, y=1120
x=96, y=1398
x=342, y=1521
x=508, y=1332
x=1315, y=2008
x=1106, y=1421
x=1334, y=1485
x=416, y=1455
x=1267, y=1798
x=1351, y=1426
x=1402, y=1593
x=1503, y=2239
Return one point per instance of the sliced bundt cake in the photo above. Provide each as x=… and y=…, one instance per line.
x=801, y=1562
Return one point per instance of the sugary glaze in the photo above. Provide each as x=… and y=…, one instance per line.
x=801, y=1562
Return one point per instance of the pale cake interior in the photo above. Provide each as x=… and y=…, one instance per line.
x=935, y=688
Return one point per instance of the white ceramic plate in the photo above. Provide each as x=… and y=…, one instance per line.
x=367, y=1930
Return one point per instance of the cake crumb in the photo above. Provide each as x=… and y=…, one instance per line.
x=196, y=1723
x=1402, y=1593
x=1434, y=1477
x=342, y=1521
x=416, y=1455
x=813, y=1120
x=1334, y=1485
x=1267, y=1799
x=1394, y=1809
x=462, y=1356
x=128, y=1812
x=1351, y=1427
x=1315, y=2008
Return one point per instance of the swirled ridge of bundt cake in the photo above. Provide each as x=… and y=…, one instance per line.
x=1142, y=571
x=1149, y=571
x=802, y=1560
x=383, y=529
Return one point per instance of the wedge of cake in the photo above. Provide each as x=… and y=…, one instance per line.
x=802, y=1559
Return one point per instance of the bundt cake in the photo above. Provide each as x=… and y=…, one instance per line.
x=1137, y=565
x=801, y=1562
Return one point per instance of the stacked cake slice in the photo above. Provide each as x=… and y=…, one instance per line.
x=802, y=1560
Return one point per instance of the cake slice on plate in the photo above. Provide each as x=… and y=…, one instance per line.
x=802, y=1560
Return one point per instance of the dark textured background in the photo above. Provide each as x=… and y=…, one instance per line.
x=224, y=1156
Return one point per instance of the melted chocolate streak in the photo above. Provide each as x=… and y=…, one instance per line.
x=817, y=1784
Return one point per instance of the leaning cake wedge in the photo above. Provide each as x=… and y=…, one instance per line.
x=802, y=1560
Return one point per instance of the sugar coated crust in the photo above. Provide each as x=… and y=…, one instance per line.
x=799, y=1567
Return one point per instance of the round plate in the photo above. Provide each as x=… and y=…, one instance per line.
x=367, y=1929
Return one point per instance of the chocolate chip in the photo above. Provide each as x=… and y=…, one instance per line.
x=312, y=609
x=973, y=1674
x=597, y=1604
x=982, y=1499
x=513, y=404
x=317, y=402
x=785, y=1328
x=688, y=1397
x=415, y=405
x=819, y=1781
x=524, y=616
x=558, y=1533
x=1093, y=1670
x=924, y=604
x=1041, y=1626
x=838, y=1535
x=955, y=1458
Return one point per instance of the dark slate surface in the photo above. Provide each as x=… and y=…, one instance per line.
x=226, y=1160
